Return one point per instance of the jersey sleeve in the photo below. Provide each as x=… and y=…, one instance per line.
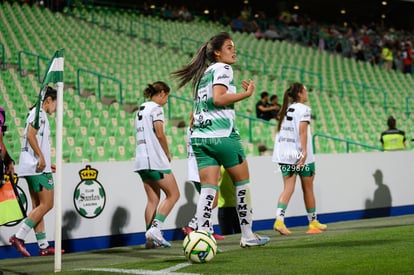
x=31, y=117
x=223, y=75
x=157, y=114
x=305, y=114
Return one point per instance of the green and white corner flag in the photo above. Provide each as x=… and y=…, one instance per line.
x=54, y=73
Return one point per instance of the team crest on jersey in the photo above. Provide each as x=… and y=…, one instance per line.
x=89, y=196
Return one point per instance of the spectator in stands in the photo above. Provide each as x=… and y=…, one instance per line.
x=387, y=56
x=407, y=56
x=6, y=162
x=263, y=107
x=167, y=12
x=237, y=24
x=294, y=154
x=274, y=102
x=392, y=139
x=185, y=14
x=153, y=162
x=259, y=33
x=36, y=167
x=272, y=33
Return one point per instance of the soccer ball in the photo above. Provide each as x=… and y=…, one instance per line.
x=199, y=246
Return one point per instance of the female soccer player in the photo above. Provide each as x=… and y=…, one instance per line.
x=192, y=172
x=293, y=152
x=36, y=167
x=153, y=162
x=215, y=139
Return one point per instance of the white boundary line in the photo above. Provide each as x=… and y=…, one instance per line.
x=144, y=271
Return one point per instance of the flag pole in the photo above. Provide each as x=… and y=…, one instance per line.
x=54, y=73
x=58, y=186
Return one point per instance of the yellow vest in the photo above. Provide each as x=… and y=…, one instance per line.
x=387, y=54
x=393, y=140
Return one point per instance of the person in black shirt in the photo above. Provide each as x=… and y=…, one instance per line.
x=274, y=103
x=263, y=108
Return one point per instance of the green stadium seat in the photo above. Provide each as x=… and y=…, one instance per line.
x=100, y=154
x=77, y=155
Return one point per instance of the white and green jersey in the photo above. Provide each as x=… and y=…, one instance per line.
x=287, y=149
x=28, y=159
x=211, y=120
x=149, y=153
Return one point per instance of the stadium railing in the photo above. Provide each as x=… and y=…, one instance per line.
x=99, y=78
x=38, y=66
x=347, y=142
x=364, y=88
x=302, y=73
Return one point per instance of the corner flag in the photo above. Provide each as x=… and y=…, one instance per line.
x=54, y=73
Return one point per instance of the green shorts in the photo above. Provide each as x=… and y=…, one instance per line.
x=307, y=170
x=153, y=174
x=37, y=182
x=226, y=151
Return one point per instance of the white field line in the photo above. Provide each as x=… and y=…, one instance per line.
x=143, y=271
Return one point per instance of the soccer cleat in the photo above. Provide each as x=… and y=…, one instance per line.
x=256, y=241
x=48, y=251
x=218, y=237
x=187, y=230
x=280, y=226
x=155, y=235
x=19, y=245
x=316, y=227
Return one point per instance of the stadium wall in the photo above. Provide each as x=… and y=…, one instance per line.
x=108, y=210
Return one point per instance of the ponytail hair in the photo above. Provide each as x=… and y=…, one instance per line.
x=290, y=95
x=205, y=55
x=155, y=88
